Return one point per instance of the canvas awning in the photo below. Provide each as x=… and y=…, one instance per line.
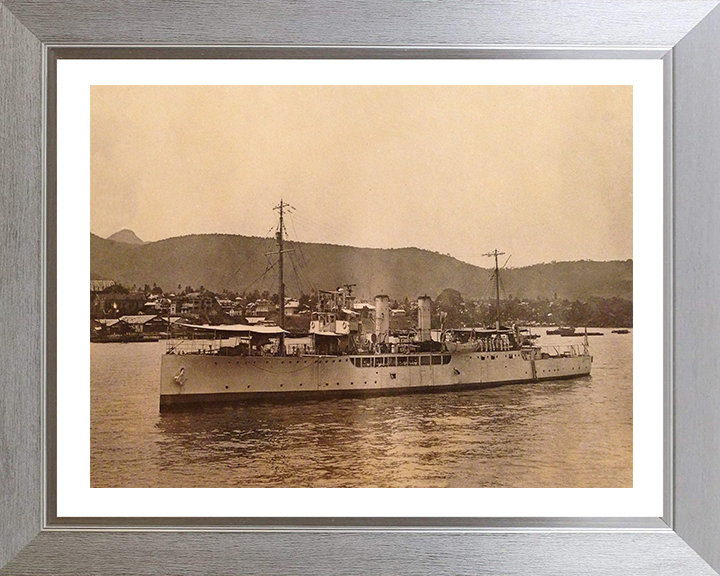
x=236, y=329
x=137, y=319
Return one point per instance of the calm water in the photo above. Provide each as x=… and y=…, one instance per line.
x=567, y=433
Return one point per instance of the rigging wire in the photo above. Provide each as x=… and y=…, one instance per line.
x=252, y=254
x=302, y=254
x=297, y=276
x=492, y=277
x=487, y=286
x=302, y=262
x=259, y=277
x=269, y=243
x=303, y=277
x=334, y=230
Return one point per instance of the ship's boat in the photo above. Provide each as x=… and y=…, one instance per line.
x=346, y=354
x=461, y=347
x=467, y=340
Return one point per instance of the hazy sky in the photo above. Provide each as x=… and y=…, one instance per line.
x=540, y=172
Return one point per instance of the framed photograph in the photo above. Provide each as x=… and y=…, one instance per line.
x=424, y=153
x=286, y=227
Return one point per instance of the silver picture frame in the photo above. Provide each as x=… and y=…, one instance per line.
x=685, y=34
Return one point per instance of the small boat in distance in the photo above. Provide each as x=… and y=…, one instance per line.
x=561, y=331
x=582, y=334
x=125, y=338
x=349, y=355
x=567, y=332
x=621, y=331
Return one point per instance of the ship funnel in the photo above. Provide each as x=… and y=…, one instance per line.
x=382, y=318
x=424, y=310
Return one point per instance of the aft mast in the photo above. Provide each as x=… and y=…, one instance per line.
x=495, y=253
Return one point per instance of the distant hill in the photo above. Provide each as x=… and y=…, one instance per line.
x=237, y=263
x=126, y=236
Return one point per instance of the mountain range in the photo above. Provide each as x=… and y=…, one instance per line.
x=242, y=263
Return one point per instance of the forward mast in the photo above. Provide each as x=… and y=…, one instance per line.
x=281, y=208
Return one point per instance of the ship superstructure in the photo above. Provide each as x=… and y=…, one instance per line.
x=348, y=354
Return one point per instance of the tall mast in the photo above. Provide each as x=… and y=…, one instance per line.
x=495, y=253
x=281, y=208
x=279, y=236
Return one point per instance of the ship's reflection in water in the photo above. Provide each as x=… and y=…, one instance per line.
x=570, y=433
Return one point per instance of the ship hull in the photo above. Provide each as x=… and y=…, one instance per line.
x=198, y=379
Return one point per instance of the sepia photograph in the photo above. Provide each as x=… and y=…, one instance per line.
x=361, y=286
